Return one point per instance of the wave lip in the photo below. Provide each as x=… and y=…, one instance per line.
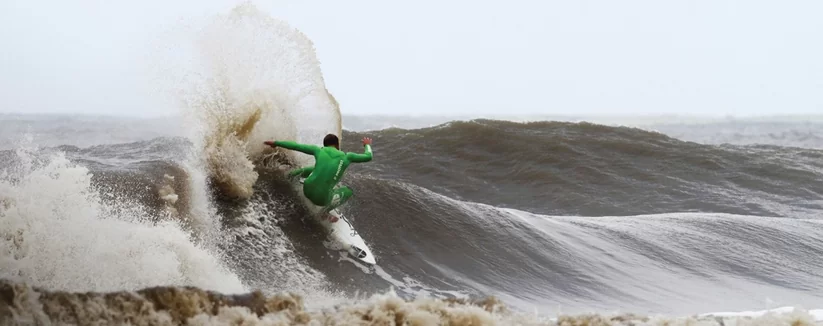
x=250, y=78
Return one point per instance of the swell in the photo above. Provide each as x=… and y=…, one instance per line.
x=593, y=170
x=675, y=262
x=800, y=131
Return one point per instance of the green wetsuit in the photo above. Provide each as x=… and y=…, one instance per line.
x=330, y=164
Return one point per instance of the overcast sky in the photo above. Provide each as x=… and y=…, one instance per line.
x=450, y=57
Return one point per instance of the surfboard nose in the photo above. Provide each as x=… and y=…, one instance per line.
x=362, y=255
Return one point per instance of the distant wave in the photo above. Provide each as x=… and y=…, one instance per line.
x=588, y=169
x=789, y=131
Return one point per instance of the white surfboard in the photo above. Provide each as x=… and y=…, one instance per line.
x=340, y=231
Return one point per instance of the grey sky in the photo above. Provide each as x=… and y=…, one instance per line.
x=450, y=57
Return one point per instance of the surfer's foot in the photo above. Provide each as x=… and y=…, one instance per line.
x=332, y=218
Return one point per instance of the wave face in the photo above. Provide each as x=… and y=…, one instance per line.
x=553, y=217
x=562, y=213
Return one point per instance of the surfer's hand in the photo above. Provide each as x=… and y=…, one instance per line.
x=366, y=141
x=270, y=143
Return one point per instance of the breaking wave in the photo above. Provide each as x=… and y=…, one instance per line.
x=192, y=306
x=250, y=78
x=58, y=232
x=472, y=222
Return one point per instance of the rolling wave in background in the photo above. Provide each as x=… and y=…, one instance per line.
x=472, y=222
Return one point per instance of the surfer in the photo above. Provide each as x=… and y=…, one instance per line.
x=329, y=166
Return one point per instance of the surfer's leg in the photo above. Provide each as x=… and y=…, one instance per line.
x=339, y=197
x=317, y=194
x=304, y=172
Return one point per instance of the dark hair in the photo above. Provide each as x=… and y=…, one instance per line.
x=331, y=140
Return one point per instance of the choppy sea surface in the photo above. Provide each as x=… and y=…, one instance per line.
x=473, y=221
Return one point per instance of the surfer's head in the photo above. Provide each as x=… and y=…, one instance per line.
x=331, y=140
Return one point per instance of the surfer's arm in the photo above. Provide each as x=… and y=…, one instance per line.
x=308, y=149
x=361, y=158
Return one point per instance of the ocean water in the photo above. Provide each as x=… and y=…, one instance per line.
x=189, y=219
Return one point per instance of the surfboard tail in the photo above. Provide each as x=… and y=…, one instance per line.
x=340, y=230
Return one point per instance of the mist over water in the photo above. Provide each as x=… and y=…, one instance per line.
x=250, y=78
x=547, y=216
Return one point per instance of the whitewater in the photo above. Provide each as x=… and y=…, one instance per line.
x=189, y=219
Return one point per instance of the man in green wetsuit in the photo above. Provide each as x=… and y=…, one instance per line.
x=330, y=164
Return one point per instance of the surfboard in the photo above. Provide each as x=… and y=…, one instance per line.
x=338, y=227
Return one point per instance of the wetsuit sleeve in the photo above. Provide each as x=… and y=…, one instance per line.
x=308, y=149
x=360, y=158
